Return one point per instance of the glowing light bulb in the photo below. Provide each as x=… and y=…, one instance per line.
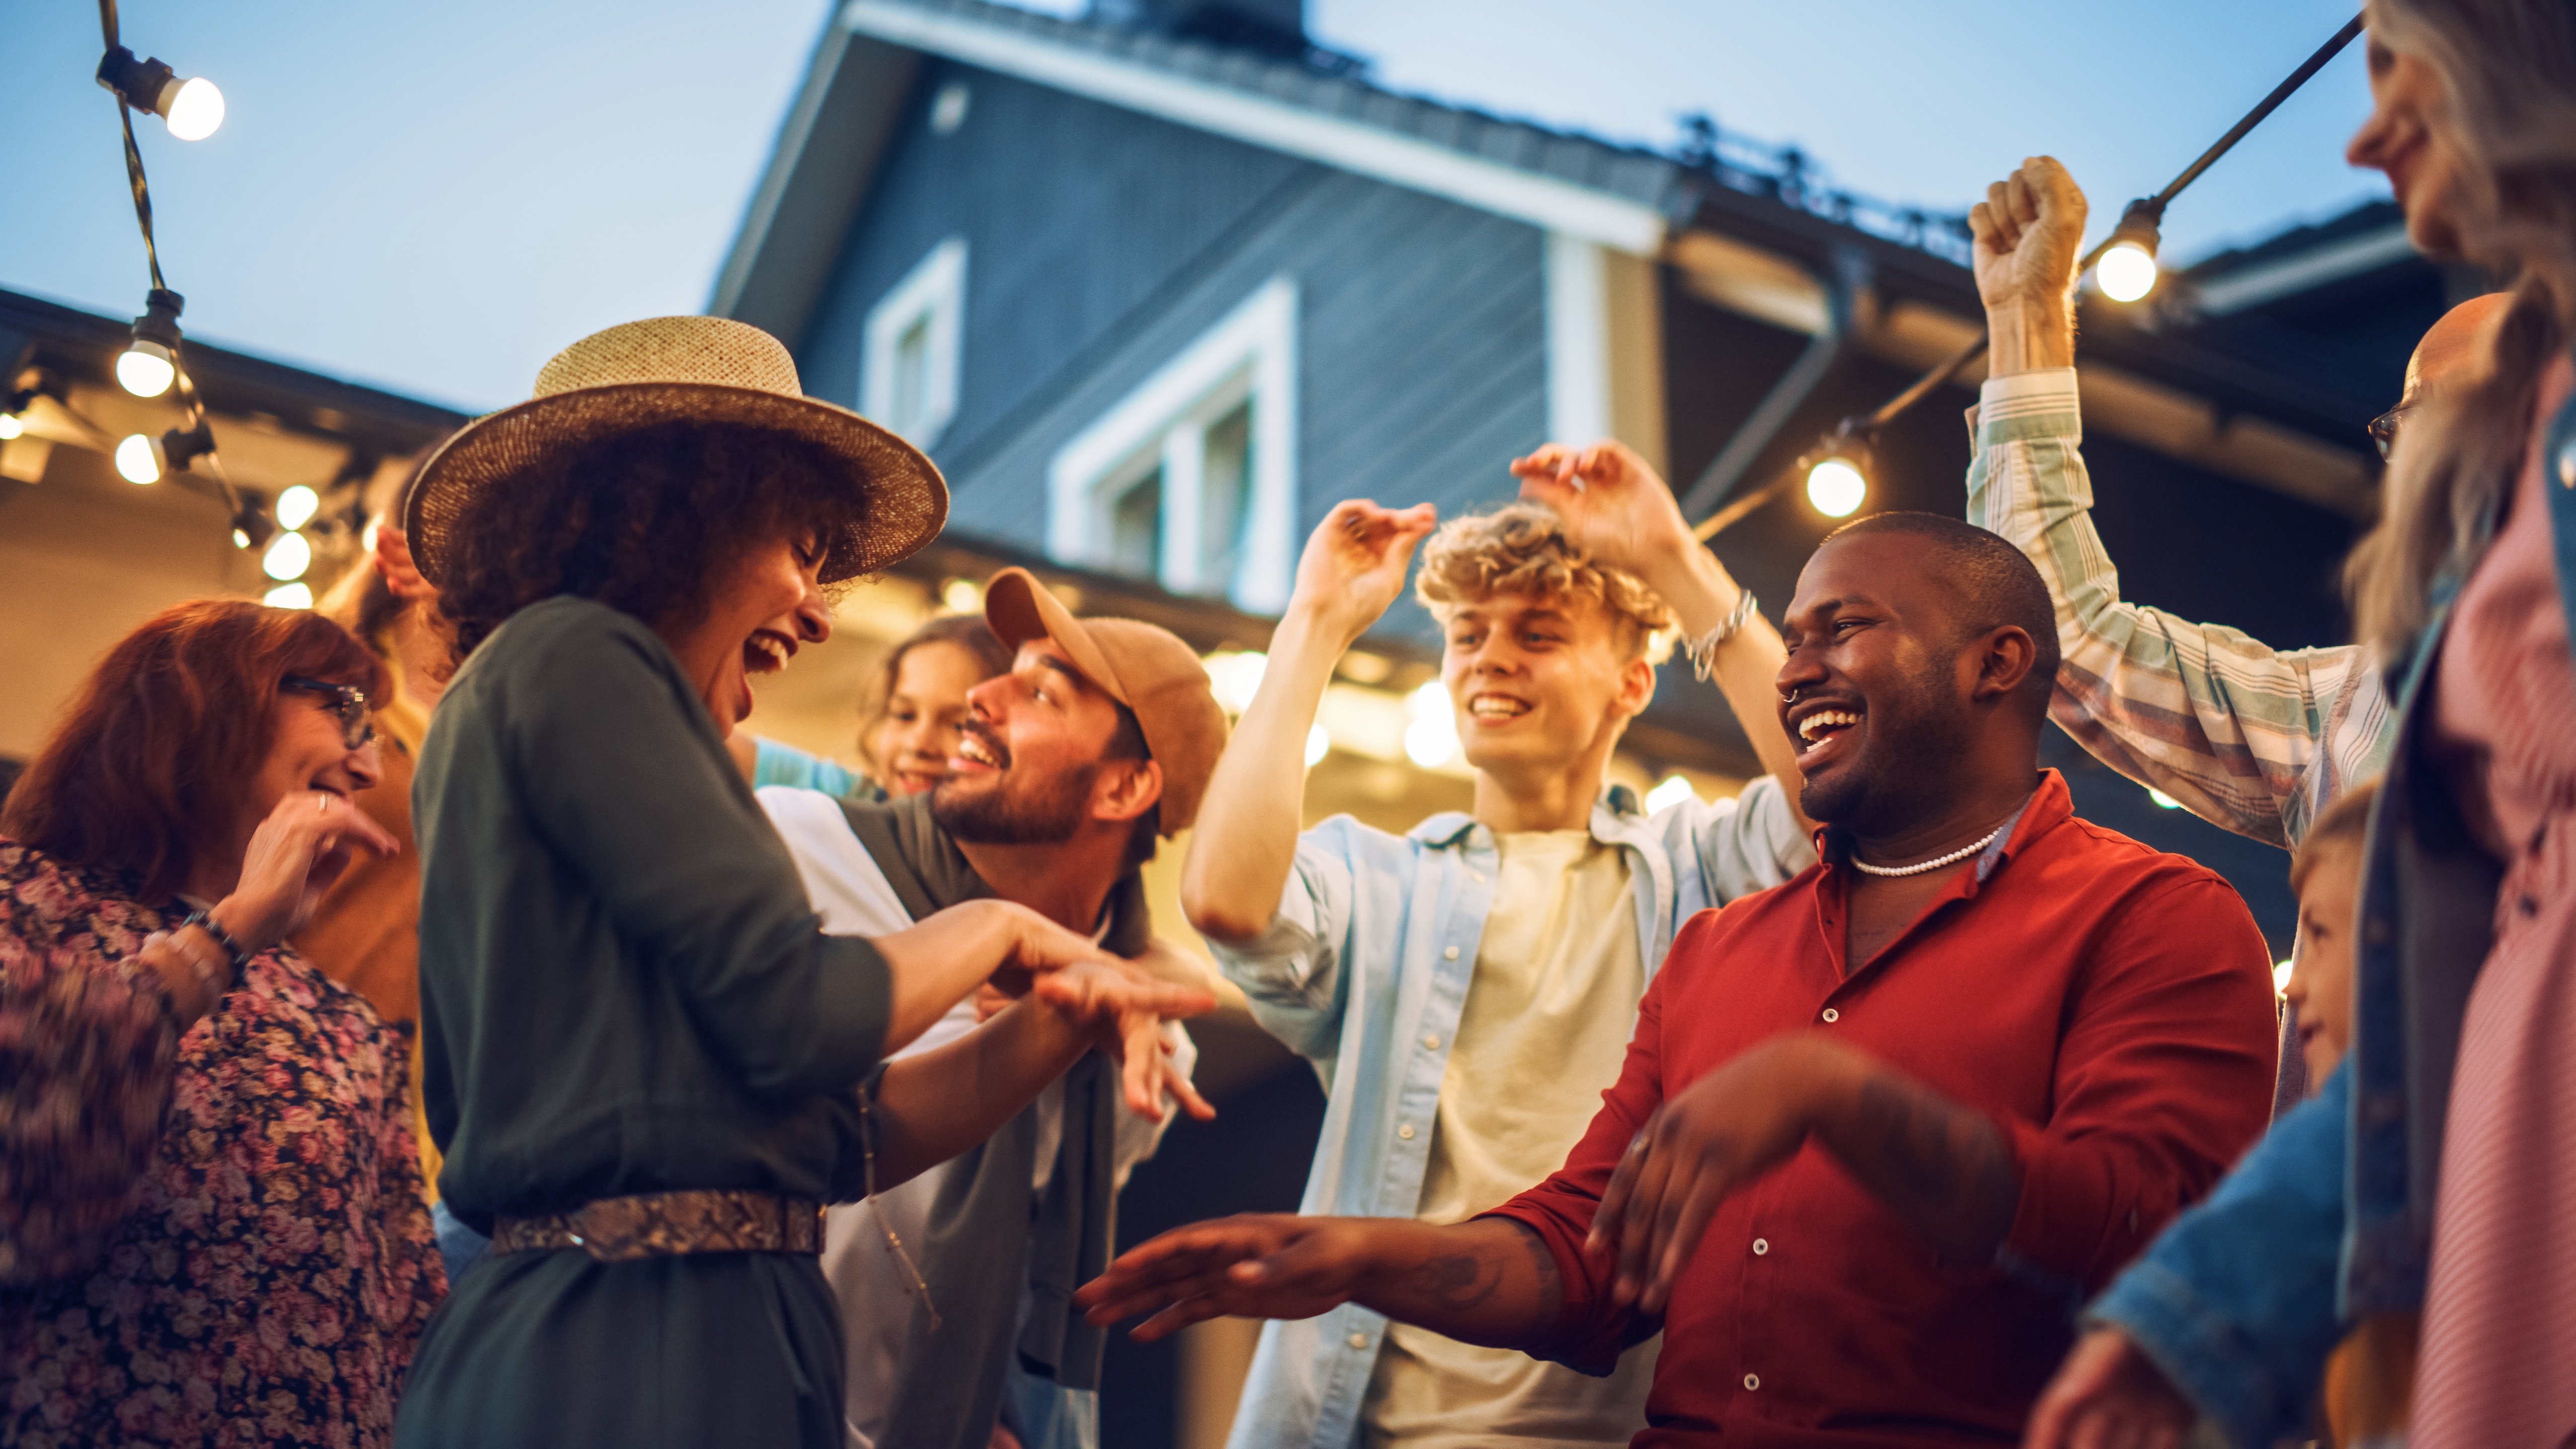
x=194, y=110
x=1234, y=677
x=146, y=369
x=1673, y=791
x=1431, y=739
x=2163, y=800
x=296, y=506
x=2126, y=272
x=962, y=596
x=137, y=461
x=2281, y=977
x=289, y=596
x=10, y=427
x=1836, y=486
x=1319, y=743
x=287, y=558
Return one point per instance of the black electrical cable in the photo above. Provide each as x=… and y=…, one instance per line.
x=133, y=157
x=1855, y=430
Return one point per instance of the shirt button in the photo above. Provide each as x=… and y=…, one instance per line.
x=1405, y=1131
x=1359, y=1340
x=1761, y=1246
x=1752, y=1381
x=1450, y=955
x=1431, y=1039
x=1832, y=1016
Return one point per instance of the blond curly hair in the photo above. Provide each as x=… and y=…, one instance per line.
x=1521, y=548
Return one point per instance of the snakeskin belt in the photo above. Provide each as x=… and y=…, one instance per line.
x=666, y=1224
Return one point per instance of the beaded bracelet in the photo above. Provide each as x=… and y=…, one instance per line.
x=205, y=921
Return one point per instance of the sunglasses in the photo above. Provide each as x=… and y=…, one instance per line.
x=346, y=700
x=2383, y=430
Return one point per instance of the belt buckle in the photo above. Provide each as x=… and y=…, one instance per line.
x=613, y=1230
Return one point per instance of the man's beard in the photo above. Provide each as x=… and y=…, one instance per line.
x=1044, y=811
x=1915, y=746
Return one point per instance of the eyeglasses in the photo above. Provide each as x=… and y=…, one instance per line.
x=2383, y=429
x=346, y=700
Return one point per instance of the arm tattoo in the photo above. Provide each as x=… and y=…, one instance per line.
x=1455, y=1281
x=1945, y=1169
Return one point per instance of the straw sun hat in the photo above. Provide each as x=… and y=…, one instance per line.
x=679, y=369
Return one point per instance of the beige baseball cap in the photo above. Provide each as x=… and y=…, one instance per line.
x=1144, y=667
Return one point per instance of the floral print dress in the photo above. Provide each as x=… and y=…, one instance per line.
x=210, y=1238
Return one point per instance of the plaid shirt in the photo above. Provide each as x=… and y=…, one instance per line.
x=2256, y=739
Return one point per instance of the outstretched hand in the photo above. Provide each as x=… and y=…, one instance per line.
x=1615, y=506
x=1353, y=568
x=1255, y=1265
x=1123, y=1009
x=2109, y=1392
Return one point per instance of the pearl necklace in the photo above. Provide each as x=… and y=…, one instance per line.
x=1935, y=863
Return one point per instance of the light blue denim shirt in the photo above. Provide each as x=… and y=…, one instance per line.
x=1364, y=971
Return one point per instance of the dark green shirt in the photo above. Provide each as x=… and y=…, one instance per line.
x=623, y=988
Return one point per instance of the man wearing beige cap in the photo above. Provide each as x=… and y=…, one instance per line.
x=954, y=1287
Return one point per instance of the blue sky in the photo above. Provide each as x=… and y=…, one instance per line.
x=436, y=197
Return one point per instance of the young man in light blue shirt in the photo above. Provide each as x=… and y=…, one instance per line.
x=1467, y=990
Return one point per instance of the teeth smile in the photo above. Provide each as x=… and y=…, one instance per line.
x=1494, y=706
x=765, y=653
x=971, y=748
x=1823, y=720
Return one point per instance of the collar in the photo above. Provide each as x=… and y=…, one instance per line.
x=1613, y=816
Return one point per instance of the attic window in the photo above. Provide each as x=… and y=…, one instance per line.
x=1190, y=479
x=908, y=378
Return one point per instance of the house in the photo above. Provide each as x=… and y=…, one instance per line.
x=1158, y=284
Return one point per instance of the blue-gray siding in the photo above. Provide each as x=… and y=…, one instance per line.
x=1101, y=243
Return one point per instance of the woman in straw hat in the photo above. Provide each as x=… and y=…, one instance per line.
x=646, y=1066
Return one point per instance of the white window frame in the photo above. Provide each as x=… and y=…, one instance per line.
x=935, y=290
x=1251, y=353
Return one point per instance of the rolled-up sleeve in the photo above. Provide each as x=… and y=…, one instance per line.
x=2164, y=1076
x=795, y=1012
x=1293, y=971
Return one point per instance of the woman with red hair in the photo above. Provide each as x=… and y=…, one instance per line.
x=211, y=1221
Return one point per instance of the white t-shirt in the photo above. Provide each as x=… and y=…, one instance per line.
x=1553, y=999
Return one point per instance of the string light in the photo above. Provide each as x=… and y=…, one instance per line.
x=297, y=505
x=2132, y=274
x=1431, y=736
x=137, y=461
x=289, y=596
x=10, y=427
x=287, y=557
x=1319, y=743
x=142, y=458
x=193, y=109
x=1672, y=791
x=251, y=528
x=1837, y=486
x=2127, y=269
x=150, y=362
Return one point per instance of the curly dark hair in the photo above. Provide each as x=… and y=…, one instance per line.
x=646, y=523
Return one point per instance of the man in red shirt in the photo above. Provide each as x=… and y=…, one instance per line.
x=1881, y=1128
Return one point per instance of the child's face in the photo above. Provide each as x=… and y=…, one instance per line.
x=2320, y=989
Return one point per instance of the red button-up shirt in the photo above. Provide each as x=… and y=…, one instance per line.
x=2110, y=1007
